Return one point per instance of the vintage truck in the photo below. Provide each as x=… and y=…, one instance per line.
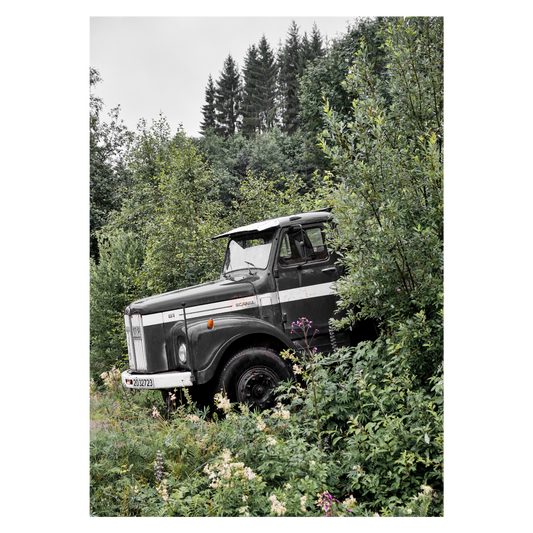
x=226, y=335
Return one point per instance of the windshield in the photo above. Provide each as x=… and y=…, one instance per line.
x=246, y=252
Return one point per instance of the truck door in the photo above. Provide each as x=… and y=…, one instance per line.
x=305, y=272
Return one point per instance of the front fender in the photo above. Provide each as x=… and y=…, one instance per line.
x=208, y=346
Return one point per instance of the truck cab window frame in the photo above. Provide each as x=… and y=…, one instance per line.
x=294, y=252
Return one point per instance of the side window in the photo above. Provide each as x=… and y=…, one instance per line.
x=295, y=251
x=316, y=237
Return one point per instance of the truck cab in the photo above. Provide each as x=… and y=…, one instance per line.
x=226, y=335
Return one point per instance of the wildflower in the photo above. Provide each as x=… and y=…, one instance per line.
x=325, y=501
x=244, y=511
x=277, y=506
x=287, y=486
x=375, y=515
x=193, y=418
x=158, y=467
x=312, y=463
x=281, y=413
x=245, y=497
x=112, y=378
x=249, y=474
x=349, y=503
x=303, y=501
x=297, y=369
x=155, y=412
x=226, y=455
x=358, y=470
x=271, y=441
x=222, y=402
x=260, y=425
x=162, y=489
x=409, y=511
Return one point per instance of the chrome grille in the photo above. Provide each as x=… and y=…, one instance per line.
x=136, y=344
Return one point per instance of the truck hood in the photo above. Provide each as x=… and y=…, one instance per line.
x=206, y=293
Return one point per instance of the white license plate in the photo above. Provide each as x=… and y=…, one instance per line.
x=141, y=382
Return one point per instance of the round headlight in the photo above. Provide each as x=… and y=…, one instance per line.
x=182, y=353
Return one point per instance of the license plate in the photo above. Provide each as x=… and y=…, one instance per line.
x=147, y=383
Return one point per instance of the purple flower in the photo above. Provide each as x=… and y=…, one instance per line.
x=158, y=467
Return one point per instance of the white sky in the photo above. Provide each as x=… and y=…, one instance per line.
x=162, y=64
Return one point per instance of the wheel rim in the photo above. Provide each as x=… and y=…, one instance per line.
x=255, y=387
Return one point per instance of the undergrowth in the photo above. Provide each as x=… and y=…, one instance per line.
x=346, y=439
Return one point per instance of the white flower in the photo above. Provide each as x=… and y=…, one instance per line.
x=226, y=455
x=271, y=441
x=349, y=502
x=426, y=438
x=426, y=489
x=222, y=402
x=260, y=425
x=409, y=511
x=277, y=506
x=303, y=501
x=248, y=473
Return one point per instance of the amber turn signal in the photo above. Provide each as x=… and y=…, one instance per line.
x=210, y=323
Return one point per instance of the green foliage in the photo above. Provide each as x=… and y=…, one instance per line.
x=113, y=285
x=180, y=252
x=146, y=461
x=323, y=79
x=389, y=207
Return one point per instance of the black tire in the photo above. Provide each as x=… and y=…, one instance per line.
x=251, y=375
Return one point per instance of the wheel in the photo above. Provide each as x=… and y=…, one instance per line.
x=251, y=375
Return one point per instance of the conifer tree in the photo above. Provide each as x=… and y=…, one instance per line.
x=250, y=95
x=208, y=110
x=228, y=96
x=316, y=43
x=289, y=64
x=267, y=86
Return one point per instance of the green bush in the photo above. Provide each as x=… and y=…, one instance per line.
x=113, y=285
x=146, y=461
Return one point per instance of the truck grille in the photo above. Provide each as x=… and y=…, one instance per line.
x=136, y=343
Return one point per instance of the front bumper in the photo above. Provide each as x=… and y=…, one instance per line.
x=163, y=380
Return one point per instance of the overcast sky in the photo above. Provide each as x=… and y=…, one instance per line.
x=152, y=65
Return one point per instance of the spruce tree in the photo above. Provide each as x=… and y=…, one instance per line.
x=267, y=89
x=208, y=110
x=316, y=43
x=289, y=64
x=228, y=96
x=250, y=94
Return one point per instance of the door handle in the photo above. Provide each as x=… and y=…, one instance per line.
x=329, y=269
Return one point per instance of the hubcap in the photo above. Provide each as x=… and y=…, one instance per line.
x=255, y=385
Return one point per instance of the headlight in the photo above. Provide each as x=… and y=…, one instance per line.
x=182, y=353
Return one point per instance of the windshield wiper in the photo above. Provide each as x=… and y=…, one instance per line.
x=250, y=269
